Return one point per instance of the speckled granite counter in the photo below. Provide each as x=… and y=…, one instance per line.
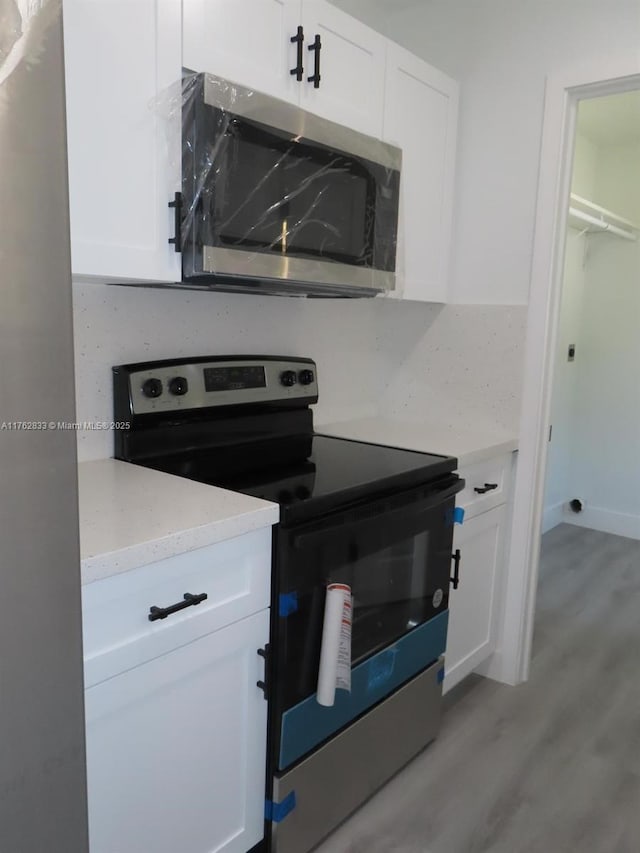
x=131, y=516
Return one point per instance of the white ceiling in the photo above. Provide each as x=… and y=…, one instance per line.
x=613, y=120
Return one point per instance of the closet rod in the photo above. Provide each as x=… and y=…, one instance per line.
x=609, y=214
x=601, y=224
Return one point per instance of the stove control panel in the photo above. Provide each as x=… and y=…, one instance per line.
x=168, y=386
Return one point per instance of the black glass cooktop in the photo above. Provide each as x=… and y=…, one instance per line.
x=309, y=475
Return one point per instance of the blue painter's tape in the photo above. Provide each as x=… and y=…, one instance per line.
x=276, y=812
x=287, y=603
x=458, y=515
x=441, y=675
x=381, y=668
x=307, y=724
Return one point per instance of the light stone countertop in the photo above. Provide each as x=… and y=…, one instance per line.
x=131, y=516
x=468, y=444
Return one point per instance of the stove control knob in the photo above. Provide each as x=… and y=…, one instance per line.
x=306, y=377
x=152, y=388
x=288, y=378
x=178, y=386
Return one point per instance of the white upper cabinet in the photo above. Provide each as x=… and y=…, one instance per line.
x=123, y=66
x=352, y=68
x=420, y=115
x=245, y=41
x=124, y=61
x=250, y=42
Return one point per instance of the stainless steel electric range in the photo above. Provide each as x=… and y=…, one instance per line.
x=375, y=520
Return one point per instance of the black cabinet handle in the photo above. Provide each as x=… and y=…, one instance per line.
x=315, y=78
x=176, y=204
x=264, y=685
x=299, y=69
x=455, y=580
x=163, y=612
x=488, y=487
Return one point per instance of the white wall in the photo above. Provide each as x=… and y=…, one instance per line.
x=606, y=448
x=606, y=452
x=401, y=358
x=559, y=486
x=501, y=51
x=618, y=180
x=586, y=168
x=559, y=489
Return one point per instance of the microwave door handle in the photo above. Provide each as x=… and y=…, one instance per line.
x=437, y=496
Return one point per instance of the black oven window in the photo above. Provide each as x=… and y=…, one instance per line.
x=390, y=592
x=287, y=198
x=395, y=589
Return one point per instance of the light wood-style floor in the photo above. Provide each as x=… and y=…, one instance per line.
x=551, y=766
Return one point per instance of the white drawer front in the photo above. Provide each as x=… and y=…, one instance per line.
x=117, y=633
x=485, y=475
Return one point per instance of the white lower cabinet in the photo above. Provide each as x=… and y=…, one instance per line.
x=176, y=748
x=472, y=607
x=176, y=724
x=475, y=607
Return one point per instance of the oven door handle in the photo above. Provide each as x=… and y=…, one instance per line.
x=436, y=496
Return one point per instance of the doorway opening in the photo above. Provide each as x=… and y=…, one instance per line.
x=591, y=513
x=593, y=463
x=564, y=94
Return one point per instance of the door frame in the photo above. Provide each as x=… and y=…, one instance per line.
x=562, y=95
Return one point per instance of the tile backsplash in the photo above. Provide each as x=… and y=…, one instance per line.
x=409, y=360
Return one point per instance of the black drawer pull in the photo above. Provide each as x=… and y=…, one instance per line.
x=455, y=580
x=299, y=69
x=488, y=487
x=316, y=47
x=163, y=612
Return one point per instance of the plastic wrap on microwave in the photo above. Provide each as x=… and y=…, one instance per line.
x=279, y=199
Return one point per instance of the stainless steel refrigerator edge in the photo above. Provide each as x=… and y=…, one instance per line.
x=42, y=762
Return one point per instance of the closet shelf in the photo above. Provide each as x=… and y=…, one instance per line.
x=594, y=219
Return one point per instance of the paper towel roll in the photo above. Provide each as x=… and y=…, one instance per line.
x=336, y=643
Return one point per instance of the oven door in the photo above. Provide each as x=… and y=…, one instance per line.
x=394, y=553
x=272, y=192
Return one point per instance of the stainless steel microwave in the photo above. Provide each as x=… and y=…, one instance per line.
x=279, y=200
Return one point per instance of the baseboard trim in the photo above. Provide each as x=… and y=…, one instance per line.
x=552, y=516
x=606, y=521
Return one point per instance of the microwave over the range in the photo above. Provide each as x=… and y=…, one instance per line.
x=279, y=200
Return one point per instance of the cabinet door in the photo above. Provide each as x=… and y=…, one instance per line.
x=246, y=41
x=472, y=607
x=421, y=109
x=352, y=63
x=123, y=69
x=176, y=748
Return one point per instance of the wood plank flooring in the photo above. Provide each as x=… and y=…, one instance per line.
x=551, y=766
